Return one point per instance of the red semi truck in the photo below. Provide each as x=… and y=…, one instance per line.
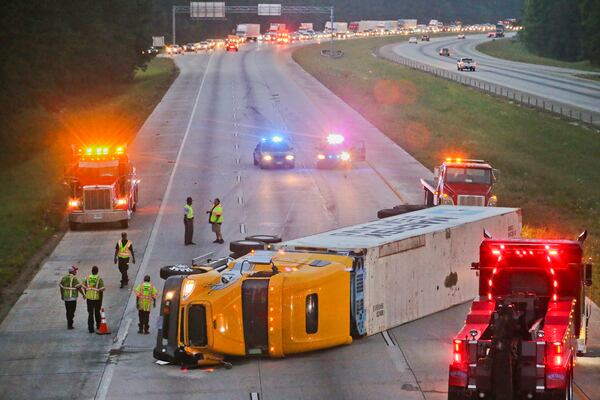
x=103, y=186
x=462, y=182
x=528, y=324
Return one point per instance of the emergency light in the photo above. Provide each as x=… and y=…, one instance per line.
x=334, y=138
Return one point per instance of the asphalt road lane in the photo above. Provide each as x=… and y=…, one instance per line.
x=553, y=83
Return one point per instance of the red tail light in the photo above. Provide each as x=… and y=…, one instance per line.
x=458, y=351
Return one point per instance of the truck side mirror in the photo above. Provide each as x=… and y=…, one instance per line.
x=587, y=274
x=495, y=175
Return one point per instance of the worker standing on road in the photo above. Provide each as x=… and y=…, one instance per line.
x=69, y=286
x=123, y=252
x=188, y=221
x=94, y=290
x=216, y=220
x=146, y=297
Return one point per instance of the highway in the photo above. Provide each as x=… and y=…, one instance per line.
x=198, y=142
x=556, y=84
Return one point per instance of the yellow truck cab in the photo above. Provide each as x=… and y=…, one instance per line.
x=265, y=303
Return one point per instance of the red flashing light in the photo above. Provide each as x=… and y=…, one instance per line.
x=458, y=345
x=554, y=297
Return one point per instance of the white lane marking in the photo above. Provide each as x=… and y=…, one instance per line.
x=107, y=375
x=387, y=338
x=237, y=161
x=240, y=200
x=237, y=146
x=254, y=396
x=238, y=178
x=242, y=228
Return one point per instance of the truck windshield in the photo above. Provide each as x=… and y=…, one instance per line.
x=91, y=173
x=468, y=175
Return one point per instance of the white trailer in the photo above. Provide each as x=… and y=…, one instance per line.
x=338, y=27
x=407, y=23
x=248, y=31
x=367, y=26
x=306, y=26
x=414, y=264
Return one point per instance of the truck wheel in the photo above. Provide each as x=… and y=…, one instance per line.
x=268, y=239
x=243, y=247
x=179, y=269
x=124, y=223
x=73, y=225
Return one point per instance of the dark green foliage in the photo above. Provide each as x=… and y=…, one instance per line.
x=563, y=29
x=54, y=50
x=467, y=11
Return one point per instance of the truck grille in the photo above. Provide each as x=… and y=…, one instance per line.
x=97, y=199
x=471, y=201
x=197, y=325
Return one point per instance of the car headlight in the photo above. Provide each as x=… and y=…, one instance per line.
x=289, y=157
x=447, y=200
x=188, y=288
x=493, y=201
x=267, y=157
x=345, y=156
x=321, y=156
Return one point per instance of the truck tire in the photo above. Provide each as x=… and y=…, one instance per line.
x=243, y=247
x=173, y=270
x=124, y=223
x=73, y=225
x=268, y=239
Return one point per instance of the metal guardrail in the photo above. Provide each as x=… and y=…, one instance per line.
x=564, y=110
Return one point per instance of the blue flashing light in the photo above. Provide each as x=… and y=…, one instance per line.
x=277, y=139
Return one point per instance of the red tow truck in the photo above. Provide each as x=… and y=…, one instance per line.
x=462, y=182
x=528, y=324
x=103, y=186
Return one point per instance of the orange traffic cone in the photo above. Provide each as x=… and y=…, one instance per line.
x=103, y=330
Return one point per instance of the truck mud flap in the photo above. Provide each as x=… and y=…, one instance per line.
x=255, y=306
x=166, y=338
x=357, y=298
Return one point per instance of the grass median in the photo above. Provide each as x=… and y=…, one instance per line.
x=549, y=167
x=514, y=50
x=33, y=200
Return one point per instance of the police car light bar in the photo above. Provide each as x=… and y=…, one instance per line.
x=334, y=138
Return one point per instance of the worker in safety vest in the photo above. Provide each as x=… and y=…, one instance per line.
x=69, y=286
x=94, y=290
x=146, y=294
x=216, y=220
x=188, y=222
x=123, y=252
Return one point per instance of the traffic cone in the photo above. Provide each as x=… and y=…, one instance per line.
x=103, y=330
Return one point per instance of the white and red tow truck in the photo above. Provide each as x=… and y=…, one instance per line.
x=528, y=324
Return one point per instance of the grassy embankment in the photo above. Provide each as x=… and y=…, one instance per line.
x=550, y=167
x=33, y=198
x=515, y=50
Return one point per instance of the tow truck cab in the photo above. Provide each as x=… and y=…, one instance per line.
x=265, y=303
x=524, y=331
x=103, y=186
x=463, y=182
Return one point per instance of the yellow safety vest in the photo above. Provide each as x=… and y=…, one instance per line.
x=145, y=293
x=92, y=287
x=124, y=251
x=69, y=290
x=216, y=215
x=189, y=211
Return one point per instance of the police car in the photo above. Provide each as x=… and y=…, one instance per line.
x=274, y=152
x=337, y=151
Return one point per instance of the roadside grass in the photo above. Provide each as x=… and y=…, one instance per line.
x=33, y=198
x=515, y=50
x=591, y=77
x=549, y=167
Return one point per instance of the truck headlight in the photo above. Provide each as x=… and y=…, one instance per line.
x=493, y=201
x=321, y=156
x=267, y=157
x=74, y=203
x=447, y=200
x=289, y=157
x=188, y=288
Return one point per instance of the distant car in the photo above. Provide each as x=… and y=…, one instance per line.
x=174, y=49
x=424, y=38
x=412, y=40
x=274, y=152
x=465, y=63
x=231, y=46
x=444, y=51
x=202, y=46
x=461, y=36
x=337, y=151
x=189, y=47
x=151, y=51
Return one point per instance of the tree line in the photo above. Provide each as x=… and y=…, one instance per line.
x=60, y=49
x=467, y=11
x=563, y=29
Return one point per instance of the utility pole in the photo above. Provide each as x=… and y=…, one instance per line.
x=173, y=25
x=331, y=41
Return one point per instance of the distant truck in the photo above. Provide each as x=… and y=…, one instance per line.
x=103, y=186
x=248, y=31
x=462, y=182
x=407, y=23
x=306, y=26
x=524, y=331
x=276, y=27
x=367, y=26
x=499, y=30
x=338, y=27
x=323, y=290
